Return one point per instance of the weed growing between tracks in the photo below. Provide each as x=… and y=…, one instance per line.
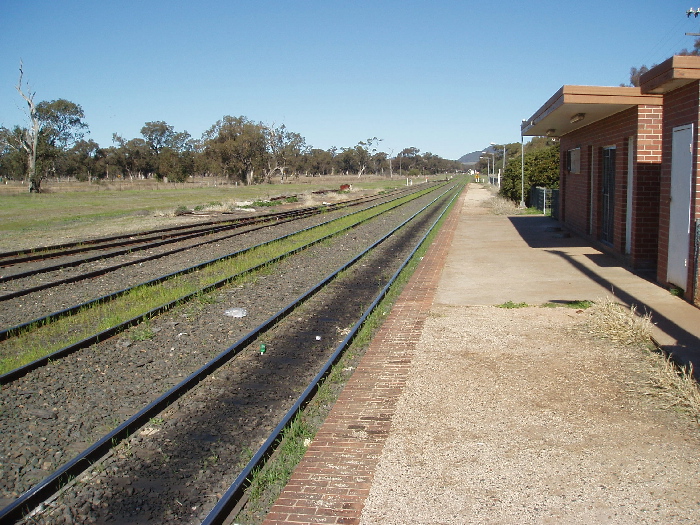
x=269, y=481
x=36, y=342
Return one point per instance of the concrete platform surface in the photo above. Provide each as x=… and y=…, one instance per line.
x=530, y=259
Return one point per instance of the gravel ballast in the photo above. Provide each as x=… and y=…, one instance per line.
x=54, y=412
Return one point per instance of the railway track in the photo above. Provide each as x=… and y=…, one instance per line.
x=54, y=291
x=217, y=416
x=31, y=272
x=143, y=240
x=41, y=333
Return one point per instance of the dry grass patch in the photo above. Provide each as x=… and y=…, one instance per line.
x=501, y=206
x=620, y=324
x=674, y=384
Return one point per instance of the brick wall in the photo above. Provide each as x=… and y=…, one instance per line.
x=681, y=108
x=582, y=193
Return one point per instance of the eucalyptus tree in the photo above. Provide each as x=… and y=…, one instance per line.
x=358, y=158
x=320, y=161
x=157, y=135
x=26, y=139
x=236, y=148
x=62, y=127
x=431, y=163
x=285, y=150
x=134, y=158
x=346, y=161
x=380, y=161
x=84, y=160
x=172, y=150
x=365, y=152
x=62, y=123
x=407, y=158
x=13, y=161
x=53, y=128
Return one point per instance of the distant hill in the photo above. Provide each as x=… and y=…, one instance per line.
x=472, y=158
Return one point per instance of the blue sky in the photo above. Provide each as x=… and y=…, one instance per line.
x=447, y=77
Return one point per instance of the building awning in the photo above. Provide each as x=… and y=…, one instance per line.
x=573, y=107
x=671, y=74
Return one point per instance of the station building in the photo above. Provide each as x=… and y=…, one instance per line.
x=629, y=171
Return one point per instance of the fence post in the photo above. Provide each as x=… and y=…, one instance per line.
x=544, y=202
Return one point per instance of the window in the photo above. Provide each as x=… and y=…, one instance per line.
x=573, y=160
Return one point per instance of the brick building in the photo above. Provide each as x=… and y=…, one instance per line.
x=678, y=80
x=629, y=167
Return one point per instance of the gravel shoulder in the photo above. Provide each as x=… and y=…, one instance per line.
x=520, y=416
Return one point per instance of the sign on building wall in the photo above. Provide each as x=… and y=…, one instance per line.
x=573, y=160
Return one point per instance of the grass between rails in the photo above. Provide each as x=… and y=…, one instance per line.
x=37, y=342
x=268, y=482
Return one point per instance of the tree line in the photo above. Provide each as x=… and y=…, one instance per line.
x=55, y=144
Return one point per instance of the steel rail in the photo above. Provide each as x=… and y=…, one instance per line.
x=146, y=237
x=94, y=244
x=128, y=248
x=13, y=330
x=12, y=375
x=288, y=216
x=33, y=497
x=87, y=242
x=219, y=514
x=107, y=269
x=227, y=225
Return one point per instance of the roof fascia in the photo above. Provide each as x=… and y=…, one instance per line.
x=605, y=100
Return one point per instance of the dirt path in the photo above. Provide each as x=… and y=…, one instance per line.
x=519, y=416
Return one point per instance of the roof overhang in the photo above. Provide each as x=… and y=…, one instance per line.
x=671, y=74
x=573, y=107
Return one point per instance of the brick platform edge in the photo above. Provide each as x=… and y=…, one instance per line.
x=333, y=480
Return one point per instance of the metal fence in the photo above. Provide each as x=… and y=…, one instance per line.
x=546, y=200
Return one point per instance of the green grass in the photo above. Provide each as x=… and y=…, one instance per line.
x=290, y=452
x=581, y=304
x=511, y=304
x=676, y=291
x=142, y=332
x=82, y=213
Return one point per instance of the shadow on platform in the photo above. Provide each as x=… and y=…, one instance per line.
x=546, y=233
